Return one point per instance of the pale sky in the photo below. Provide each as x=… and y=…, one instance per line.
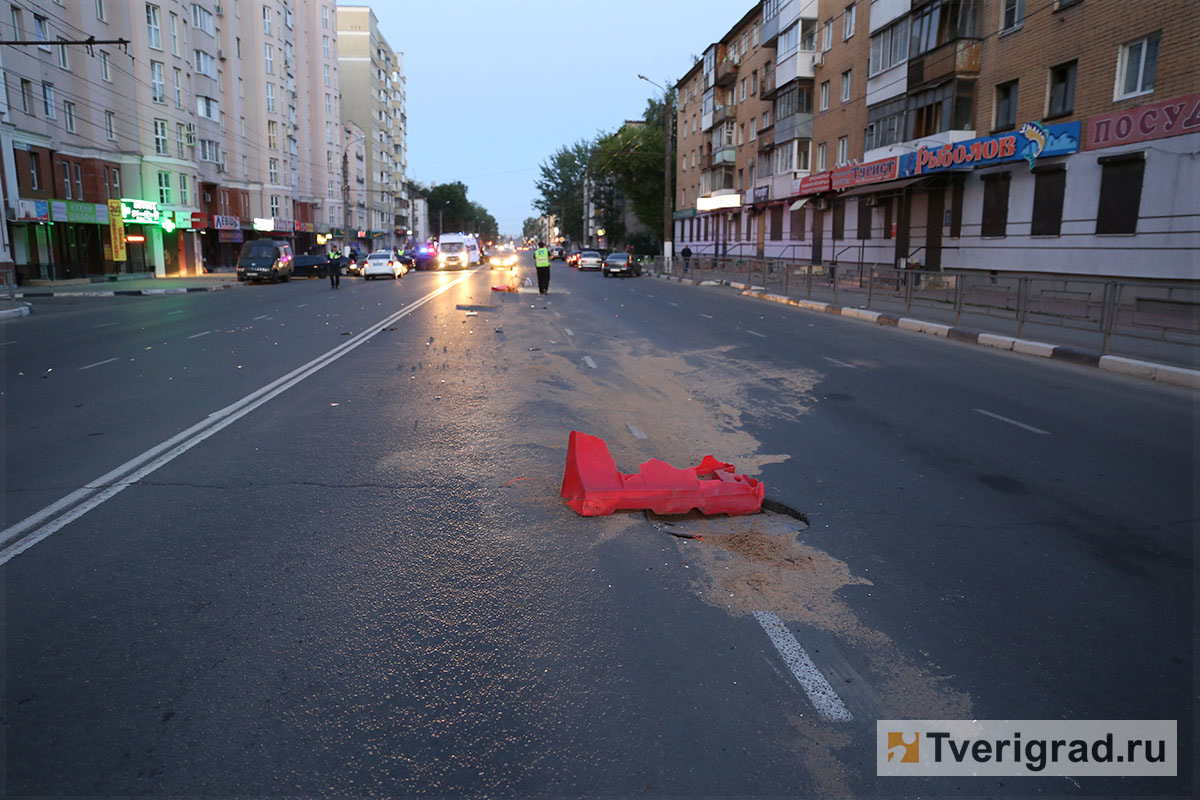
x=495, y=86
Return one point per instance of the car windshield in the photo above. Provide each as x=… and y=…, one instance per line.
x=379, y=257
x=452, y=247
x=260, y=248
x=617, y=258
x=589, y=254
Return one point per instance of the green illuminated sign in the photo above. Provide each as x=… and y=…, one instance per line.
x=139, y=212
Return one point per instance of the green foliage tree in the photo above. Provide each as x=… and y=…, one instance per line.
x=530, y=227
x=560, y=184
x=450, y=208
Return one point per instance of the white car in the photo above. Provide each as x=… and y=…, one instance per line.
x=381, y=263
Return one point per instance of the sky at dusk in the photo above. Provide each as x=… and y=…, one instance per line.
x=496, y=86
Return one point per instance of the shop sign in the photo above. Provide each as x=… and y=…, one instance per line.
x=199, y=220
x=762, y=193
x=283, y=225
x=234, y=236
x=684, y=213
x=116, y=230
x=1143, y=123
x=1030, y=142
x=225, y=223
x=264, y=224
x=139, y=212
x=33, y=210
x=813, y=184
x=308, y=227
x=74, y=211
x=886, y=169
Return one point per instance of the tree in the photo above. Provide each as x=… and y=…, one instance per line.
x=450, y=210
x=561, y=187
x=530, y=227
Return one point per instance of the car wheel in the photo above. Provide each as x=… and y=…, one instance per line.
x=287, y=276
x=241, y=278
x=274, y=276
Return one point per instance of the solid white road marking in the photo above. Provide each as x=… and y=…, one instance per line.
x=1029, y=428
x=755, y=333
x=822, y=695
x=636, y=431
x=569, y=331
x=264, y=316
x=70, y=508
x=99, y=363
x=588, y=360
x=835, y=362
x=707, y=316
x=198, y=335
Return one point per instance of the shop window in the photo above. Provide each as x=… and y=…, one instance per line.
x=995, y=204
x=1120, y=193
x=776, y=223
x=839, y=219
x=1049, y=187
x=864, y=218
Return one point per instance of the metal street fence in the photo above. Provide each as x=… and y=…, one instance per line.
x=1155, y=319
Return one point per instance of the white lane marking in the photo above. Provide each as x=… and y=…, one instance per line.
x=169, y=313
x=707, y=316
x=1029, y=428
x=835, y=362
x=588, y=360
x=569, y=331
x=302, y=305
x=104, y=325
x=198, y=335
x=675, y=304
x=649, y=295
x=99, y=363
x=822, y=695
x=58, y=515
x=756, y=333
x=264, y=316
x=636, y=431
x=6, y=344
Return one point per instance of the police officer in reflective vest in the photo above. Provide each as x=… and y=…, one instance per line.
x=541, y=259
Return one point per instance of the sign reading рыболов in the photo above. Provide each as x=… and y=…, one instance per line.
x=1062, y=748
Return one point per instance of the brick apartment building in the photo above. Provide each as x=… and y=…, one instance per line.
x=1001, y=135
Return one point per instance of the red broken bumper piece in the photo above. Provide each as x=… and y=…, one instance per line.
x=594, y=488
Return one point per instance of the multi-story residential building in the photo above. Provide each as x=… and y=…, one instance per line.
x=373, y=97
x=1000, y=136
x=196, y=132
x=689, y=137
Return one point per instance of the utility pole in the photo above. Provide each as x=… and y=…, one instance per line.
x=668, y=222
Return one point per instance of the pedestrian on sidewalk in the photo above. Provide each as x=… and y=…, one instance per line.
x=686, y=252
x=541, y=260
x=335, y=272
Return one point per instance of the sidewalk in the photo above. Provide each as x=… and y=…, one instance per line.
x=212, y=282
x=1053, y=343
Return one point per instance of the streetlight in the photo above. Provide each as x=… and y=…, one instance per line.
x=346, y=187
x=667, y=222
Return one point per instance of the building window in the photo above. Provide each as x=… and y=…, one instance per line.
x=325, y=70
x=69, y=116
x=164, y=187
x=1120, y=193
x=1012, y=14
x=324, y=17
x=48, y=101
x=100, y=15
x=158, y=89
x=784, y=157
x=1049, y=188
x=273, y=170
x=66, y=173
x=207, y=107
x=153, y=27
x=180, y=139
x=41, y=31
x=274, y=205
x=173, y=20
x=205, y=63
x=105, y=71
x=202, y=18
x=827, y=36
x=848, y=22
x=178, y=87
x=995, y=204
x=824, y=96
x=271, y=98
x=210, y=151
x=269, y=58
x=885, y=124
x=35, y=178
x=821, y=157
x=27, y=96
x=1006, y=106
x=185, y=195
x=328, y=103
x=776, y=223
x=64, y=61
x=237, y=46
x=1137, y=67
x=266, y=17
x=1062, y=90
x=273, y=134
x=116, y=181
x=843, y=153
x=889, y=47
x=110, y=125
x=847, y=76
x=160, y=137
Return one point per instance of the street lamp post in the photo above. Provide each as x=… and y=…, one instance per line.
x=346, y=188
x=667, y=221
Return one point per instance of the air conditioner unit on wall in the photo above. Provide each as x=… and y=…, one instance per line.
x=220, y=11
x=818, y=59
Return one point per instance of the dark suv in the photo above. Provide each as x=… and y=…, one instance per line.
x=265, y=259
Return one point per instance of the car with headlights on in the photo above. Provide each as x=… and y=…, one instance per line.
x=265, y=259
x=558, y=254
x=590, y=259
x=503, y=257
x=382, y=264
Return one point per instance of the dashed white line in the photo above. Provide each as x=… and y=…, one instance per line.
x=756, y=333
x=569, y=331
x=636, y=431
x=588, y=360
x=104, y=325
x=675, y=304
x=198, y=335
x=170, y=313
x=6, y=344
x=835, y=362
x=1029, y=428
x=263, y=316
x=707, y=316
x=99, y=363
x=302, y=305
x=822, y=695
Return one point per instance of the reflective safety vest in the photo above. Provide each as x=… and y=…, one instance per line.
x=541, y=257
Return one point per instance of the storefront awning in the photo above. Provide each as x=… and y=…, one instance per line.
x=799, y=204
x=887, y=186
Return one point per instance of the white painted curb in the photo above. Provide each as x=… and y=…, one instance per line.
x=861, y=313
x=999, y=342
x=1128, y=366
x=1179, y=376
x=20, y=311
x=812, y=305
x=1033, y=348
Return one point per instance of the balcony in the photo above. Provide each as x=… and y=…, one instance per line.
x=722, y=113
x=767, y=85
x=727, y=72
x=956, y=58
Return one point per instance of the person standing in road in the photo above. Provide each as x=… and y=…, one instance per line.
x=541, y=260
x=335, y=272
x=686, y=252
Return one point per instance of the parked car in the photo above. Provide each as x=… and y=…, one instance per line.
x=422, y=256
x=558, y=254
x=590, y=259
x=380, y=264
x=355, y=264
x=265, y=259
x=620, y=264
x=310, y=266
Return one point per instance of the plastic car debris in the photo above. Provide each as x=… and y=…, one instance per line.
x=593, y=486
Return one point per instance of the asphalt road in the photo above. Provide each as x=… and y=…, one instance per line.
x=355, y=576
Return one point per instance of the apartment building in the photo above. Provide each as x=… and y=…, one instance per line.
x=689, y=138
x=164, y=158
x=373, y=97
x=1003, y=135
